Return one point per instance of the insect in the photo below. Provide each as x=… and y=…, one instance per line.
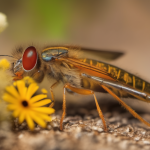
x=82, y=73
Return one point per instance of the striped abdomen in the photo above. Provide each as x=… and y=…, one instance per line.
x=121, y=75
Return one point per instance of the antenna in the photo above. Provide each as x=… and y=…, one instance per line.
x=7, y=55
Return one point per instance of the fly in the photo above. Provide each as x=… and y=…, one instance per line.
x=82, y=73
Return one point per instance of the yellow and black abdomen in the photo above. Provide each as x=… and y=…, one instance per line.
x=121, y=75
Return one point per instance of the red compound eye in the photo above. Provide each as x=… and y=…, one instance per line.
x=29, y=58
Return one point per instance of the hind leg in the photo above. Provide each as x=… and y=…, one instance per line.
x=126, y=106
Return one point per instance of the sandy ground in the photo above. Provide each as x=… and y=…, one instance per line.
x=83, y=129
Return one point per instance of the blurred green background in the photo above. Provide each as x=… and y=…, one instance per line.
x=52, y=19
x=116, y=25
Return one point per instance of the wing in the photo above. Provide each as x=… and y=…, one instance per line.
x=103, y=55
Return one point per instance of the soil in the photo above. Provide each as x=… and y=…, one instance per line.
x=83, y=130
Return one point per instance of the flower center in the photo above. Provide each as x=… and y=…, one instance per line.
x=25, y=103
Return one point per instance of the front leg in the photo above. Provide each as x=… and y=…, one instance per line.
x=83, y=92
x=52, y=94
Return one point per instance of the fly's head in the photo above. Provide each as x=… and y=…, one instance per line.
x=28, y=63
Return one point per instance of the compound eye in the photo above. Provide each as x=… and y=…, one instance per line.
x=29, y=58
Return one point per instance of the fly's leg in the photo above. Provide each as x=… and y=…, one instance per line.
x=64, y=108
x=126, y=106
x=52, y=94
x=83, y=92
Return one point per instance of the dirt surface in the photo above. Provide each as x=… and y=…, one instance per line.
x=83, y=129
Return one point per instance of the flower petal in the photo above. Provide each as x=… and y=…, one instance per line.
x=37, y=98
x=25, y=92
x=28, y=80
x=21, y=117
x=9, y=98
x=45, y=110
x=16, y=113
x=45, y=117
x=21, y=88
x=42, y=103
x=31, y=90
x=12, y=107
x=38, y=119
x=11, y=89
x=29, y=121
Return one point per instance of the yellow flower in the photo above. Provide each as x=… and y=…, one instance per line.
x=27, y=107
x=28, y=80
x=4, y=64
x=5, y=78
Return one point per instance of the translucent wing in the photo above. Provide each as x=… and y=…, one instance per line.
x=102, y=55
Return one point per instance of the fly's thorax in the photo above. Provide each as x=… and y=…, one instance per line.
x=74, y=80
x=65, y=73
x=51, y=53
